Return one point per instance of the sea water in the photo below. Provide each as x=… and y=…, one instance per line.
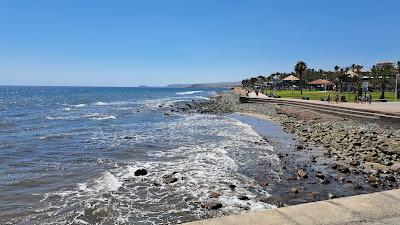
x=68, y=156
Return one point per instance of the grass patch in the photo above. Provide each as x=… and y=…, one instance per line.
x=318, y=95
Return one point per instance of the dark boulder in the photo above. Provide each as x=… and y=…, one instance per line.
x=140, y=172
x=320, y=175
x=244, y=198
x=354, y=163
x=295, y=190
x=212, y=205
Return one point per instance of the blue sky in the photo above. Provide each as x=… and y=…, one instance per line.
x=128, y=43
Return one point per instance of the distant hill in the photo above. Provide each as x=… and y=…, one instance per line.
x=206, y=85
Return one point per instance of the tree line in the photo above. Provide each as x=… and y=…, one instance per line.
x=380, y=77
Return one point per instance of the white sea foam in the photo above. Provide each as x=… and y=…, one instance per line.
x=188, y=92
x=66, y=109
x=79, y=105
x=104, y=117
x=92, y=116
x=52, y=136
x=50, y=118
x=202, y=165
x=107, y=182
x=152, y=104
x=100, y=103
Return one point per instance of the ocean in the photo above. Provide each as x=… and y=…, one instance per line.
x=68, y=155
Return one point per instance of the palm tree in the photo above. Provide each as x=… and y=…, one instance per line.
x=337, y=80
x=357, y=79
x=300, y=67
x=244, y=83
x=398, y=74
x=383, y=75
x=341, y=76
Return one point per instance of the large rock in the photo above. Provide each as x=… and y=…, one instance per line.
x=303, y=174
x=376, y=166
x=244, y=198
x=213, y=194
x=170, y=179
x=295, y=190
x=140, y=172
x=212, y=205
x=395, y=167
x=320, y=175
x=354, y=162
x=343, y=169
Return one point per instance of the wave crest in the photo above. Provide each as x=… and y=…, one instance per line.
x=188, y=92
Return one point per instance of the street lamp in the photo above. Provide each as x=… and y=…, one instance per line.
x=396, y=91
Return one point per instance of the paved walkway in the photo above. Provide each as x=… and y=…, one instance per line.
x=369, y=209
x=385, y=107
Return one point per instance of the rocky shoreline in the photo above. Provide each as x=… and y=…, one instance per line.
x=331, y=156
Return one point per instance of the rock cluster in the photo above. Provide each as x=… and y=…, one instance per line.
x=361, y=156
x=356, y=146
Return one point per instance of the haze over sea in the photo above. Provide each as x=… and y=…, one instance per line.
x=68, y=156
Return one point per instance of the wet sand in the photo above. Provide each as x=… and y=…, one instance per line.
x=302, y=178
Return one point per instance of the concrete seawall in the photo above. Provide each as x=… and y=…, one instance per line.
x=368, y=209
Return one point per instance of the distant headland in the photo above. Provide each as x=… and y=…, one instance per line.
x=206, y=85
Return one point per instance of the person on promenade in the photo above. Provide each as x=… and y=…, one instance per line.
x=337, y=98
x=357, y=99
x=369, y=98
x=328, y=99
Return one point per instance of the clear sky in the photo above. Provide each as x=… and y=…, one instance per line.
x=128, y=43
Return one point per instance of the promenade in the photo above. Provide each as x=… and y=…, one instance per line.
x=382, y=112
x=368, y=209
x=379, y=107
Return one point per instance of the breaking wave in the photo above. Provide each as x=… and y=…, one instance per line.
x=100, y=103
x=199, y=167
x=188, y=92
x=79, y=105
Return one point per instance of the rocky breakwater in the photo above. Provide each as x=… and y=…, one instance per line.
x=366, y=149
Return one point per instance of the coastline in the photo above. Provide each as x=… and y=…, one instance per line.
x=329, y=156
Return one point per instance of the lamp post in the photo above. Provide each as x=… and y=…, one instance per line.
x=396, y=89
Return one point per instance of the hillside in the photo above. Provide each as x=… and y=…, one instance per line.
x=206, y=85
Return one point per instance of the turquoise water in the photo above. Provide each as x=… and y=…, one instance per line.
x=68, y=156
